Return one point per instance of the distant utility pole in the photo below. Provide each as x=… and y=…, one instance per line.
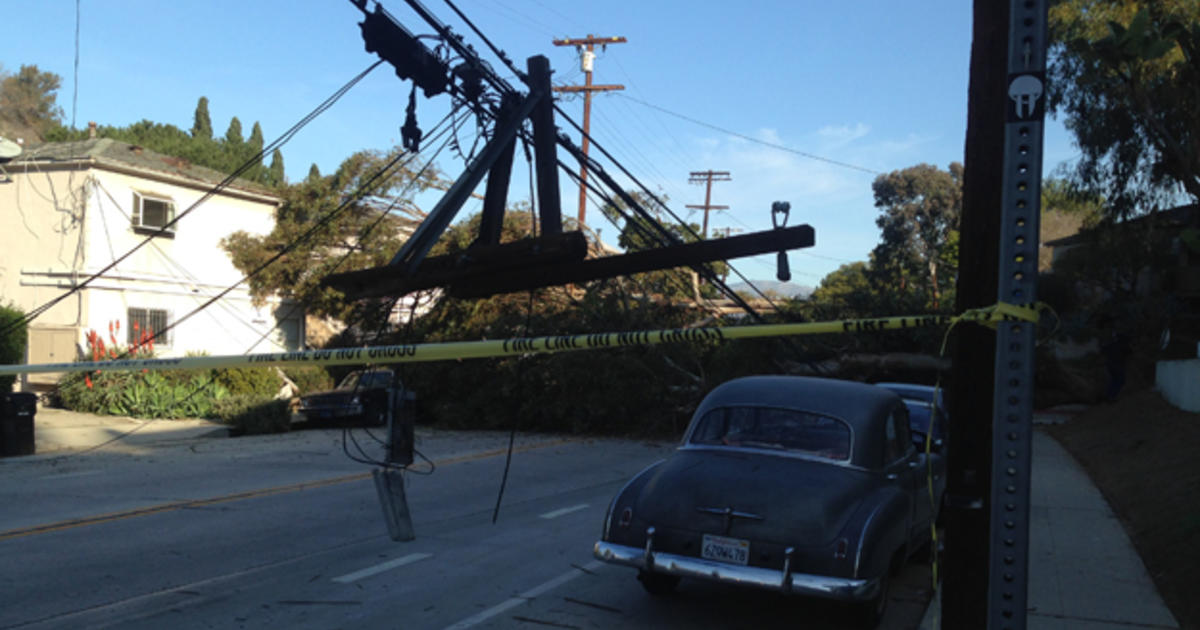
x=707, y=178
x=727, y=231
x=587, y=58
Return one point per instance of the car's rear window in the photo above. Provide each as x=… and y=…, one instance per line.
x=775, y=428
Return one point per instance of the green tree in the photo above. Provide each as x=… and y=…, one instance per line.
x=223, y=155
x=846, y=293
x=314, y=173
x=920, y=210
x=349, y=235
x=255, y=142
x=233, y=135
x=29, y=103
x=1126, y=74
x=275, y=175
x=202, y=125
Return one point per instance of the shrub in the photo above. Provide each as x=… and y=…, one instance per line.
x=254, y=415
x=262, y=382
x=12, y=342
x=143, y=394
x=309, y=378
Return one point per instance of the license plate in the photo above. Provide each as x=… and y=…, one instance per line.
x=722, y=549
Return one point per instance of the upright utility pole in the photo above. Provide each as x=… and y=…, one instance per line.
x=587, y=59
x=707, y=178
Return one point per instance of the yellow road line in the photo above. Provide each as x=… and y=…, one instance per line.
x=250, y=494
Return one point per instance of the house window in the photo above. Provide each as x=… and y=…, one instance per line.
x=154, y=320
x=151, y=214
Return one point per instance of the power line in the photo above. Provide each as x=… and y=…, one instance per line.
x=743, y=136
x=667, y=236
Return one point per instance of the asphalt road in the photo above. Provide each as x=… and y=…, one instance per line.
x=286, y=532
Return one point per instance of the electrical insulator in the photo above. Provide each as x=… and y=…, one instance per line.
x=587, y=60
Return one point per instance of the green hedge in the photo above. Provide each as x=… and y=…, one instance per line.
x=254, y=415
x=262, y=382
x=309, y=378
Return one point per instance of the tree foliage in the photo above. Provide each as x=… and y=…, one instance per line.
x=275, y=175
x=29, y=103
x=202, y=123
x=1126, y=74
x=920, y=210
x=196, y=146
x=233, y=135
x=359, y=236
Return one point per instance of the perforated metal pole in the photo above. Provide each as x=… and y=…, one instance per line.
x=1008, y=574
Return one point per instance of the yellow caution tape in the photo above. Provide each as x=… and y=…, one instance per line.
x=419, y=353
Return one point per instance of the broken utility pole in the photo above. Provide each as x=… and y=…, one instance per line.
x=707, y=178
x=587, y=59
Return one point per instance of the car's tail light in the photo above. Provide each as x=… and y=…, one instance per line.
x=626, y=517
x=840, y=549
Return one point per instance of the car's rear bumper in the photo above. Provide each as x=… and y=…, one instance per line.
x=786, y=581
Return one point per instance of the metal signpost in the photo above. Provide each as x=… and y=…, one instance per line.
x=1013, y=403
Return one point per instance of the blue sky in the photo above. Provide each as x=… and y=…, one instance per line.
x=877, y=84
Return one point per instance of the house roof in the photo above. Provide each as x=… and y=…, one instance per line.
x=1179, y=216
x=124, y=156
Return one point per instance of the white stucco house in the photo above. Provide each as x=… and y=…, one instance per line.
x=68, y=210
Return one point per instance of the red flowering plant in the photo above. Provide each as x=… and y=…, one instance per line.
x=142, y=394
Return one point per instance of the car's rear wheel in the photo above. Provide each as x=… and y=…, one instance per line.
x=658, y=584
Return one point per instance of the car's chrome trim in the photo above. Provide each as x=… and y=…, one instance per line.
x=843, y=589
x=728, y=511
x=787, y=569
x=862, y=539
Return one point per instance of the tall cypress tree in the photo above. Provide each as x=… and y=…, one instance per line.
x=256, y=140
x=314, y=173
x=233, y=135
x=202, y=125
x=275, y=176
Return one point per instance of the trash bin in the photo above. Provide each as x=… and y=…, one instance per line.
x=16, y=424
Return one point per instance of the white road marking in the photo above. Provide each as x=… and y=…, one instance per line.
x=566, y=510
x=380, y=568
x=523, y=598
x=82, y=473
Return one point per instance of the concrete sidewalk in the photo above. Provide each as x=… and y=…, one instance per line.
x=1084, y=573
x=59, y=431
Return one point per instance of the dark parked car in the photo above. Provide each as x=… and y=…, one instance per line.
x=921, y=410
x=362, y=395
x=801, y=485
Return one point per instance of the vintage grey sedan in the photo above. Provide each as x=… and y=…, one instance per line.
x=802, y=485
